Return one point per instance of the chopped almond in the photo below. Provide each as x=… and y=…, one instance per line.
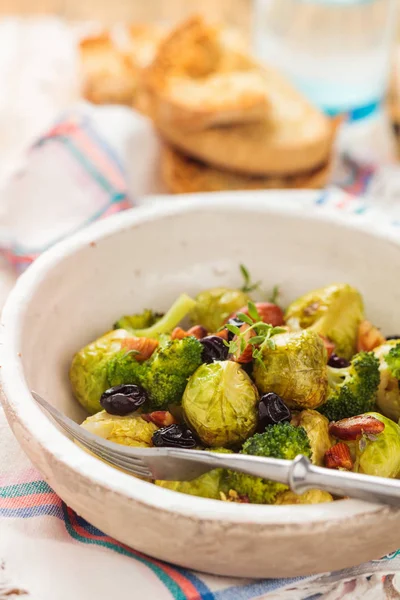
x=224, y=333
x=161, y=418
x=354, y=427
x=197, y=331
x=369, y=337
x=269, y=313
x=338, y=457
x=143, y=347
x=179, y=333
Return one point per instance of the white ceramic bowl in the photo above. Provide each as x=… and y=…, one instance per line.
x=146, y=257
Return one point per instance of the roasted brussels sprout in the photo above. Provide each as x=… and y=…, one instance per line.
x=388, y=398
x=130, y=430
x=214, y=306
x=379, y=454
x=220, y=404
x=334, y=311
x=208, y=485
x=205, y=486
x=294, y=367
x=88, y=372
x=316, y=426
x=309, y=497
x=282, y=440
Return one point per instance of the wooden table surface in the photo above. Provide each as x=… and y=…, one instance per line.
x=234, y=12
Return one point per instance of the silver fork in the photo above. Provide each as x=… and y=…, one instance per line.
x=183, y=465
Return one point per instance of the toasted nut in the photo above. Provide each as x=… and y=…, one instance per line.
x=338, y=457
x=224, y=333
x=233, y=496
x=143, y=347
x=269, y=313
x=329, y=346
x=369, y=337
x=179, y=333
x=197, y=331
x=246, y=355
x=354, y=427
x=161, y=418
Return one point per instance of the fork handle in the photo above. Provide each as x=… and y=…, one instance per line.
x=304, y=476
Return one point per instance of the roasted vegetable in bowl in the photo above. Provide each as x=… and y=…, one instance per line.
x=245, y=376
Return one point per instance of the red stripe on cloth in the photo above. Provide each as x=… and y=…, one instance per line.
x=92, y=151
x=30, y=501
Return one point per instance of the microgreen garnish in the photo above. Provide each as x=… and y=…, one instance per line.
x=248, y=286
x=274, y=295
x=263, y=333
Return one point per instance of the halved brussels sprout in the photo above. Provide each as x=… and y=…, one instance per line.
x=294, y=367
x=388, y=398
x=130, y=430
x=316, y=426
x=309, y=497
x=334, y=311
x=88, y=372
x=220, y=404
x=214, y=306
x=378, y=455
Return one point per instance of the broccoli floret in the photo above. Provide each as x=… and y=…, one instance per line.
x=165, y=324
x=393, y=361
x=352, y=390
x=334, y=311
x=139, y=321
x=282, y=440
x=164, y=375
x=169, y=369
x=123, y=368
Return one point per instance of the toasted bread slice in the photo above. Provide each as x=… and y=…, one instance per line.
x=143, y=41
x=200, y=78
x=293, y=137
x=185, y=175
x=109, y=76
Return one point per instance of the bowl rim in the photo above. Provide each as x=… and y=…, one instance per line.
x=22, y=409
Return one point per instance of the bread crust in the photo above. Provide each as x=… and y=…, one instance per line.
x=200, y=78
x=185, y=175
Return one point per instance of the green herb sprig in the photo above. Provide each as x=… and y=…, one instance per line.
x=263, y=332
x=248, y=286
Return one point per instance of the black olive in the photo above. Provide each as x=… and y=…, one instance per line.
x=337, y=362
x=213, y=348
x=393, y=337
x=174, y=436
x=272, y=410
x=237, y=323
x=123, y=399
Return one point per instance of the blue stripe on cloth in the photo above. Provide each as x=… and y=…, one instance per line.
x=26, y=512
x=254, y=590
